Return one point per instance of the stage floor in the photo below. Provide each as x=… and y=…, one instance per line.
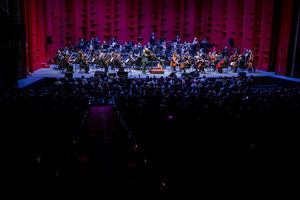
x=133, y=73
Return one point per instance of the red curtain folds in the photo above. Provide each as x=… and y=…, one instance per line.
x=284, y=37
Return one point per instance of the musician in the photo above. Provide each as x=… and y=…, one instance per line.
x=93, y=58
x=58, y=59
x=148, y=47
x=91, y=46
x=236, y=50
x=144, y=60
x=174, y=61
x=195, y=41
x=92, y=39
x=201, y=65
x=151, y=56
x=138, y=60
x=201, y=53
x=152, y=39
x=66, y=50
x=251, y=62
x=118, y=62
x=140, y=47
x=81, y=44
x=85, y=65
x=210, y=58
x=155, y=50
x=96, y=59
x=104, y=62
x=111, y=58
x=103, y=44
x=222, y=64
x=164, y=45
x=177, y=39
x=125, y=47
x=204, y=44
x=186, y=63
x=198, y=62
x=194, y=46
x=113, y=41
x=66, y=63
x=82, y=60
x=225, y=52
x=239, y=63
x=130, y=60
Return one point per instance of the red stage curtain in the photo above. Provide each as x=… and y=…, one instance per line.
x=284, y=37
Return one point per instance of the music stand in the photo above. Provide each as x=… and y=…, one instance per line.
x=105, y=46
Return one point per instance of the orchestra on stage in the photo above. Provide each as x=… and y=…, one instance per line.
x=116, y=55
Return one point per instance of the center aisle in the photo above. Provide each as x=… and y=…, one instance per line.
x=111, y=160
x=101, y=131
